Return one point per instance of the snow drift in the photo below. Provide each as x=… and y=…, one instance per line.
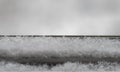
x=45, y=50
x=71, y=67
x=21, y=53
x=49, y=46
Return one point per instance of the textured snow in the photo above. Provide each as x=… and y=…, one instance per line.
x=102, y=66
x=48, y=46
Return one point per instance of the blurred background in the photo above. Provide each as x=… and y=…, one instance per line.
x=60, y=17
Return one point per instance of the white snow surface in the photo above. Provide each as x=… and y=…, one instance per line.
x=49, y=46
x=74, y=67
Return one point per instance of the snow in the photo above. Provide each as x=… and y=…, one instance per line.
x=102, y=66
x=61, y=47
x=48, y=46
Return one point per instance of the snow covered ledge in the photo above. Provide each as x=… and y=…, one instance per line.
x=59, y=49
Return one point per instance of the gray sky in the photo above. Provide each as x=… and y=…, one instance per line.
x=60, y=17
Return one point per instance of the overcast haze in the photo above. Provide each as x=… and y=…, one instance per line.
x=60, y=17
